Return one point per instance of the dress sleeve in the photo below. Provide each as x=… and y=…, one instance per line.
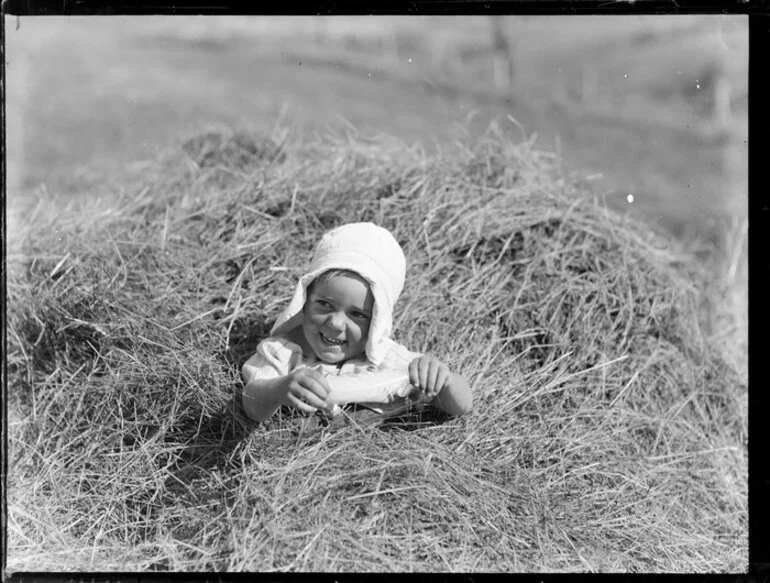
x=275, y=357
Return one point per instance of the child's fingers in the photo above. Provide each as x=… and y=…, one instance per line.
x=442, y=379
x=414, y=376
x=422, y=373
x=309, y=388
x=316, y=382
x=429, y=375
x=300, y=404
x=431, y=389
x=311, y=398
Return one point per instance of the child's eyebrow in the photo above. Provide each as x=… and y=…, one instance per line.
x=320, y=296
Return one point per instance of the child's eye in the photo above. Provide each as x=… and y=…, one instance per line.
x=323, y=303
x=360, y=315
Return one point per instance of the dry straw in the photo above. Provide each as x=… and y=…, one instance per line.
x=607, y=435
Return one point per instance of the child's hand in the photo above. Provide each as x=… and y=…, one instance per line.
x=307, y=389
x=429, y=375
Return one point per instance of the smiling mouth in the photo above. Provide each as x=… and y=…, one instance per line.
x=330, y=341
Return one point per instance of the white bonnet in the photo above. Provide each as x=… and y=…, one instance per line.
x=373, y=253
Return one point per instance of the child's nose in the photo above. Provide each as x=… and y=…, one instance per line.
x=337, y=321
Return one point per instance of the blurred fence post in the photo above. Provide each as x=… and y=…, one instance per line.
x=502, y=56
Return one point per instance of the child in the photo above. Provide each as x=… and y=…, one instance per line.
x=338, y=323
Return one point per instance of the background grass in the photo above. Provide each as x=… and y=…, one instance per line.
x=147, y=257
x=607, y=433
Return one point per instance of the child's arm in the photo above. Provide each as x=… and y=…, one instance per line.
x=446, y=390
x=304, y=388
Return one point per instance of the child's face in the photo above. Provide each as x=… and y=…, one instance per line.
x=338, y=312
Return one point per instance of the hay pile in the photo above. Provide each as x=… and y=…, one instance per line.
x=606, y=433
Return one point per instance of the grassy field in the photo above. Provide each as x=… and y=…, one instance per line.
x=148, y=256
x=627, y=99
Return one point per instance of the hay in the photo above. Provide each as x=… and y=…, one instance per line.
x=607, y=434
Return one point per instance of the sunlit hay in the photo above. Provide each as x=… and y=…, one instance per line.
x=607, y=433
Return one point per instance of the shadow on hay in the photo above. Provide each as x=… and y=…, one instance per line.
x=245, y=335
x=212, y=444
x=308, y=427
